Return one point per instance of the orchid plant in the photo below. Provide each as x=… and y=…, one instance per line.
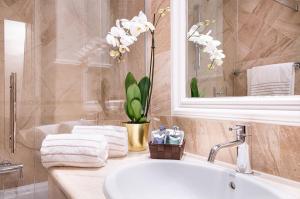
x=121, y=36
x=207, y=43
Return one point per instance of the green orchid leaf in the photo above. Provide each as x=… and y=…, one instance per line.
x=129, y=111
x=133, y=92
x=194, y=88
x=129, y=80
x=143, y=120
x=137, y=109
x=144, y=86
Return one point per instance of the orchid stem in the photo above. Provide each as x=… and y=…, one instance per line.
x=151, y=71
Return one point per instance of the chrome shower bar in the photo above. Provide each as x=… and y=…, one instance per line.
x=296, y=65
x=13, y=112
x=293, y=4
x=7, y=167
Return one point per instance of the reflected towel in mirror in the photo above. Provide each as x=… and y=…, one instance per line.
x=271, y=80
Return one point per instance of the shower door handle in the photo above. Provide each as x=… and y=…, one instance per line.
x=13, y=112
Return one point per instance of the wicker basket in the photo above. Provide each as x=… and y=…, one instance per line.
x=166, y=151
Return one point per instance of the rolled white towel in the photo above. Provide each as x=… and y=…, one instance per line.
x=116, y=137
x=74, y=150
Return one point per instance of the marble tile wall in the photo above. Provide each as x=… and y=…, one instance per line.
x=162, y=79
x=275, y=148
x=268, y=33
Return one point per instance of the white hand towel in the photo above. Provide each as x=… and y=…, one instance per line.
x=274, y=79
x=74, y=150
x=116, y=137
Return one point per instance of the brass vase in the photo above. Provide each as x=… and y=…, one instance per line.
x=137, y=136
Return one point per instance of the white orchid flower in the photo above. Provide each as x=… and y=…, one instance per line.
x=218, y=62
x=142, y=19
x=203, y=39
x=125, y=23
x=211, y=46
x=110, y=39
x=125, y=33
x=137, y=28
x=193, y=39
x=193, y=32
x=127, y=40
x=123, y=49
x=208, y=43
x=117, y=31
x=217, y=54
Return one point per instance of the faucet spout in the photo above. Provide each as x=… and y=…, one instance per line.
x=243, y=160
x=215, y=149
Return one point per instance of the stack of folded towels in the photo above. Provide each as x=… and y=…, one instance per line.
x=86, y=146
x=116, y=137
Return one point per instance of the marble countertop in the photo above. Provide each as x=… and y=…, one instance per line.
x=78, y=183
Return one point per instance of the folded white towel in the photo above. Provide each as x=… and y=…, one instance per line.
x=74, y=150
x=116, y=137
x=274, y=79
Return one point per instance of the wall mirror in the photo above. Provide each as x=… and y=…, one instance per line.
x=236, y=60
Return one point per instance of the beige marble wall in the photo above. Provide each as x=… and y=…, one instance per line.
x=162, y=80
x=275, y=148
x=268, y=33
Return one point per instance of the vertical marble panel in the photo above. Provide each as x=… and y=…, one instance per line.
x=161, y=96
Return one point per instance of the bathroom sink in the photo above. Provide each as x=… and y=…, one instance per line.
x=170, y=179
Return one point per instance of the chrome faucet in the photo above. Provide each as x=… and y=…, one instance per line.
x=243, y=160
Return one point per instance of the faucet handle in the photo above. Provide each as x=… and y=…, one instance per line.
x=239, y=130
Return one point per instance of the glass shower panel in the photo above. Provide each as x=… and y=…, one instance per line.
x=17, y=94
x=80, y=82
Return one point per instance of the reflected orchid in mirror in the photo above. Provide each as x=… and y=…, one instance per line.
x=125, y=33
x=207, y=43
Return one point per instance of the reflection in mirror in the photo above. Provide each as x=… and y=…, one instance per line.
x=245, y=56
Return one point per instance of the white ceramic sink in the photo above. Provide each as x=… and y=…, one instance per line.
x=168, y=179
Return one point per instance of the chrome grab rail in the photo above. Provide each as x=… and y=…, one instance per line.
x=7, y=167
x=13, y=112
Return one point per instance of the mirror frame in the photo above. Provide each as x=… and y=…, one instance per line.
x=267, y=109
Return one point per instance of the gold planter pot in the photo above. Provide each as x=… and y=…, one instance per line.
x=137, y=136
